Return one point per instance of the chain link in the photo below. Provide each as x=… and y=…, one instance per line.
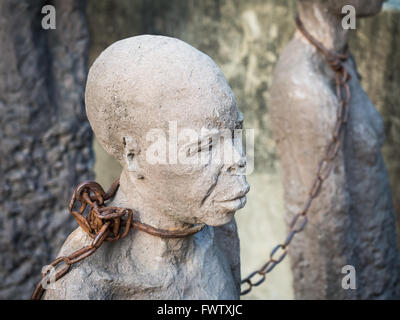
x=102, y=224
x=325, y=166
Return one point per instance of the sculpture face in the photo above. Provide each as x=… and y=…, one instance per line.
x=166, y=112
x=196, y=184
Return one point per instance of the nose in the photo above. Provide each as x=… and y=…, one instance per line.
x=236, y=163
x=238, y=167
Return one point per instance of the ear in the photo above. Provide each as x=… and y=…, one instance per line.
x=130, y=156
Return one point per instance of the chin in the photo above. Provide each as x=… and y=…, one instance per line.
x=222, y=212
x=219, y=219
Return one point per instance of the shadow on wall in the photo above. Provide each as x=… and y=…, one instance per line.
x=245, y=39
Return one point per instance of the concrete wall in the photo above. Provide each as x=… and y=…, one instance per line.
x=45, y=139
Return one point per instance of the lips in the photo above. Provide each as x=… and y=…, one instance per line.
x=239, y=195
x=236, y=202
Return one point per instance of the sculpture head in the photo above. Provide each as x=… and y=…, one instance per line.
x=157, y=98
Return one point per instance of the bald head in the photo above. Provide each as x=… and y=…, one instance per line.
x=143, y=82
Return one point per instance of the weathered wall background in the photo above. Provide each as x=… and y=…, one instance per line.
x=245, y=39
x=45, y=140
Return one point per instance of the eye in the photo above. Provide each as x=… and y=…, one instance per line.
x=192, y=150
x=200, y=147
x=207, y=146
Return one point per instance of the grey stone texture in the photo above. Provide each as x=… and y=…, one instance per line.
x=45, y=139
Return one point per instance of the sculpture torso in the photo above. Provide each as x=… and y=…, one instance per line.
x=142, y=266
x=354, y=211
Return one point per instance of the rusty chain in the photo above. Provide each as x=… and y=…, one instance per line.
x=102, y=223
x=325, y=166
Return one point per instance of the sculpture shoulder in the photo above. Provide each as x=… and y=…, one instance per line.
x=292, y=57
x=301, y=92
x=79, y=277
x=293, y=63
x=125, y=269
x=299, y=73
x=76, y=240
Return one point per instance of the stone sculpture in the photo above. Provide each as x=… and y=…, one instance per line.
x=139, y=88
x=352, y=222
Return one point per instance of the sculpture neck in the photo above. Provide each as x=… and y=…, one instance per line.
x=323, y=25
x=131, y=194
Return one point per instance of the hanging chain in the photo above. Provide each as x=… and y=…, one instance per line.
x=325, y=166
x=101, y=223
